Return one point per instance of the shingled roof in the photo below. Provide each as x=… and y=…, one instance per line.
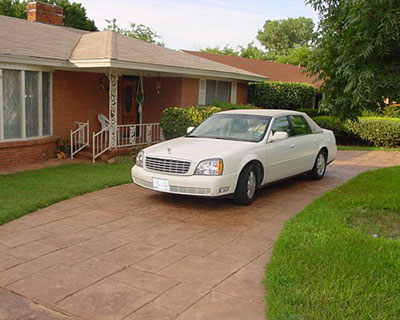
x=273, y=70
x=76, y=48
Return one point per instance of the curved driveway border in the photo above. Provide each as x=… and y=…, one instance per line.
x=130, y=253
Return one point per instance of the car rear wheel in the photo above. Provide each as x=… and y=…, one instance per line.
x=318, y=171
x=247, y=186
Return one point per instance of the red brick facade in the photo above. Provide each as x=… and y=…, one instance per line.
x=25, y=152
x=81, y=96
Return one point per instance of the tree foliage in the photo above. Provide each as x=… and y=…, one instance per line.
x=298, y=56
x=137, y=31
x=74, y=13
x=280, y=36
x=251, y=51
x=357, y=53
x=227, y=50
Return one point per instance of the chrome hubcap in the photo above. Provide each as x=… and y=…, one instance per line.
x=321, y=164
x=251, y=185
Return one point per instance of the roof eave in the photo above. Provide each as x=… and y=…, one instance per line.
x=112, y=63
x=45, y=62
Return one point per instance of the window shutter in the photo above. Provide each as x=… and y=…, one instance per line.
x=202, y=91
x=233, y=91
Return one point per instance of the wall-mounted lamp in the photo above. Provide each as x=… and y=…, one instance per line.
x=158, y=86
x=103, y=83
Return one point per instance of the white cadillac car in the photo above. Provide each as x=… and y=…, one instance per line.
x=235, y=153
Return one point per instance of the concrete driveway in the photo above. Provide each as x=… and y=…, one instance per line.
x=130, y=253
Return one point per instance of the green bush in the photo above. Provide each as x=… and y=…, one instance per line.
x=230, y=106
x=311, y=112
x=379, y=131
x=340, y=128
x=281, y=95
x=392, y=111
x=175, y=121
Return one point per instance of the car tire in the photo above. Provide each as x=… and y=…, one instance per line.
x=247, y=186
x=318, y=171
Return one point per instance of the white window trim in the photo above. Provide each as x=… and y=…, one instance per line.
x=202, y=92
x=23, y=107
x=1, y=107
x=233, y=91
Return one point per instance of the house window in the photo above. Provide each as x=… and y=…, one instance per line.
x=217, y=91
x=25, y=104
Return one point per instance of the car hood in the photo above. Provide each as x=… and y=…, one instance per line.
x=197, y=149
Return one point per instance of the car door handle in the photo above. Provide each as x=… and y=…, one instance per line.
x=291, y=146
x=315, y=141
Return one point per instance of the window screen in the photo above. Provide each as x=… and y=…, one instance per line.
x=12, y=109
x=217, y=91
x=31, y=104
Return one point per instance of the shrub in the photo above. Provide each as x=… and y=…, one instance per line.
x=281, y=95
x=230, y=106
x=339, y=128
x=311, y=112
x=392, y=111
x=379, y=131
x=175, y=121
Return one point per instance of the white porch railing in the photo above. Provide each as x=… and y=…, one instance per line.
x=138, y=134
x=79, y=138
x=127, y=135
x=101, y=142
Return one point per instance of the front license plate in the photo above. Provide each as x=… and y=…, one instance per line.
x=160, y=184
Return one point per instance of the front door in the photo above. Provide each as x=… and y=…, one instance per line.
x=130, y=112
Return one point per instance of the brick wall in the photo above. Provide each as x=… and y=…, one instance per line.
x=25, y=152
x=78, y=96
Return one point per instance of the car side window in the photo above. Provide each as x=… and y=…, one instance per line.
x=282, y=124
x=300, y=125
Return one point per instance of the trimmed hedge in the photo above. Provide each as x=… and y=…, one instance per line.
x=392, y=111
x=230, y=106
x=281, y=95
x=379, y=131
x=175, y=121
x=311, y=112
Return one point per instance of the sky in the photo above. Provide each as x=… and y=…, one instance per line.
x=194, y=25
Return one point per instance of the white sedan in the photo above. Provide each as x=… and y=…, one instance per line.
x=235, y=153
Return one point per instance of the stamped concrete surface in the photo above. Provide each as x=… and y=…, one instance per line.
x=130, y=253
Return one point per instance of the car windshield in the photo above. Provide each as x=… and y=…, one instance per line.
x=241, y=127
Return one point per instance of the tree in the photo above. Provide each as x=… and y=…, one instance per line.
x=280, y=36
x=357, y=53
x=227, y=51
x=298, y=56
x=252, y=52
x=11, y=8
x=74, y=14
x=137, y=31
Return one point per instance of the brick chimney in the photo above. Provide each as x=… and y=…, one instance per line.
x=44, y=12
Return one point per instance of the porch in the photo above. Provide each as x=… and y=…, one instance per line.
x=132, y=99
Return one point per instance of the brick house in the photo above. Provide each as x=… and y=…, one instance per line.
x=55, y=79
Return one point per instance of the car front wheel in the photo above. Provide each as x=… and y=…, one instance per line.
x=247, y=186
x=318, y=171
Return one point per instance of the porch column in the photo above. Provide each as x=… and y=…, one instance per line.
x=113, y=107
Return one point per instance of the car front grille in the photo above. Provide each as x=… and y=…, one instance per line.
x=167, y=165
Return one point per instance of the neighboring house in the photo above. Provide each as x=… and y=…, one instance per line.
x=274, y=71
x=55, y=79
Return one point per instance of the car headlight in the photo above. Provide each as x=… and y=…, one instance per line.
x=139, y=159
x=210, y=167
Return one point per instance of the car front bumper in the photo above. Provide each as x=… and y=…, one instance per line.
x=196, y=185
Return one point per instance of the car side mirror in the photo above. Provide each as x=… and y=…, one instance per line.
x=189, y=130
x=279, y=135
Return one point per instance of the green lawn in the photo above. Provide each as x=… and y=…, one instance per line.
x=340, y=257
x=367, y=148
x=27, y=191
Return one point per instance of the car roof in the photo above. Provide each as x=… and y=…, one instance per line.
x=264, y=112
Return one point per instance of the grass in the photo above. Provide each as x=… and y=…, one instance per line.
x=367, y=148
x=340, y=257
x=28, y=191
